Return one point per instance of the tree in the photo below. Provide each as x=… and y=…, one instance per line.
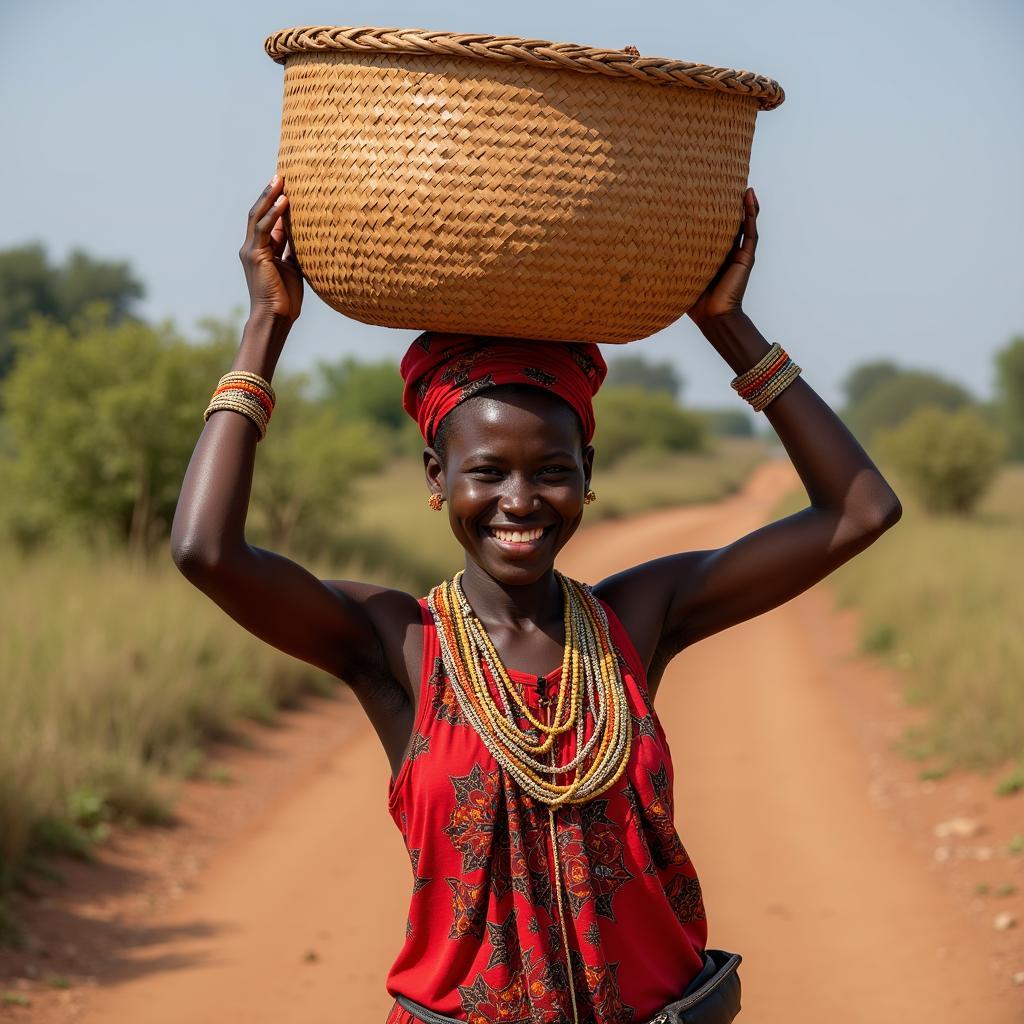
x=83, y=280
x=863, y=379
x=897, y=396
x=631, y=418
x=363, y=391
x=306, y=469
x=727, y=422
x=948, y=459
x=30, y=286
x=1010, y=393
x=100, y=423
x=637, y=371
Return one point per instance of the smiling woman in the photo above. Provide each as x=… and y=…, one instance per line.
x=536, y=804
x=508, y=426
x=514, y=474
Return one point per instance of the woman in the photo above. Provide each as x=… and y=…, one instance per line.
x=536, y=897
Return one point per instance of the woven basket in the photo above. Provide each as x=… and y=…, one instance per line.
x=495, y=185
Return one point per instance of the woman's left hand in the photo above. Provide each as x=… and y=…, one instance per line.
x=724, y=295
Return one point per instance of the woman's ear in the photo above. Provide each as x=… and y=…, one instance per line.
x=433, y=470
x=588, y=463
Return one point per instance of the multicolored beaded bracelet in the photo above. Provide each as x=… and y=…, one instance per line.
x=768, y=378
x=261, y=396
x=246, y=393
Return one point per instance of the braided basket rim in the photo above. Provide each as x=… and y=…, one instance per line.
x=663, y=71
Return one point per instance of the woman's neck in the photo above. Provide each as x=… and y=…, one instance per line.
x=503, y=605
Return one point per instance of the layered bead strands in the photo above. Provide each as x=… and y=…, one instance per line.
x=590, y=686
x=247, y=393
x=590, y=681
x=768, y=378
x=559, y=887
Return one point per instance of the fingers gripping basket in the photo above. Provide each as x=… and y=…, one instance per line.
x=496, y=185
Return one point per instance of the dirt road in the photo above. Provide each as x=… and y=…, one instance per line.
x=297, y=917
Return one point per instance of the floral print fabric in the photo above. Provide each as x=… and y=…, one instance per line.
x=483, y=940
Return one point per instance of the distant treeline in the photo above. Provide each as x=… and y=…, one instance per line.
x=100, y=410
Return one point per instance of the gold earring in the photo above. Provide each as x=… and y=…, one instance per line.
x=589, y=497
x=435, y=501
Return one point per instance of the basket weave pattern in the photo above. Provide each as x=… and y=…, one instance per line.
x=502, y=196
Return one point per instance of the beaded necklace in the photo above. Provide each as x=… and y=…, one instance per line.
x=591, y=682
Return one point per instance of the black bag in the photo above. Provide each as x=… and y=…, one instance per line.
x=713, y=997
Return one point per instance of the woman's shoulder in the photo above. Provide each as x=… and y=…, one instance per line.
x=637, y=614
x=379, y=600
x=397, y=617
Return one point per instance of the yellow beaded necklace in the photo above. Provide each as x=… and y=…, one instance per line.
x=590, y=685
x=590, y=679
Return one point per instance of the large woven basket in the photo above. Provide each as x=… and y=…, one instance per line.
x=503, y=186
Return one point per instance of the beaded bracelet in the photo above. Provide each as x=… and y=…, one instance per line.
x=250, y=378
x=251, y=411
x=260, y=395
x=779, y=384
x=768, y=378
x=246, y=393
x=760, y=383
x=741, y=380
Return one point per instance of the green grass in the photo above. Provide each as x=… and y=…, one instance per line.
x=940, y=598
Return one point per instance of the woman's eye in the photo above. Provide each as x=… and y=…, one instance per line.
x=557, y=469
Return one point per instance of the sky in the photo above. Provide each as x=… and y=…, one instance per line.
x=890, y=181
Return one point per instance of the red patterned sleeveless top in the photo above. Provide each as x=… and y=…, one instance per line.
x=483, y=942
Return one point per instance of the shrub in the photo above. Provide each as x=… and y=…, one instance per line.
x=895, y=397
x=105, y=449
x=370, y=392
x=637, y=371
x=630, y=418
x=727, y=422
x=948, y=459
x=305, y=471
x=1010, y=393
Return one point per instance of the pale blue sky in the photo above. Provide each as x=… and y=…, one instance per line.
x=890, y=180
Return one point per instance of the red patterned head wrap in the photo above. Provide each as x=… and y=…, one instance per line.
x=442, y=370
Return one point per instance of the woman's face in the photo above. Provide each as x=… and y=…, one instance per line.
x=514, y=480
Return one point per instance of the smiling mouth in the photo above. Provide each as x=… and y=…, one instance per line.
x=520, y=540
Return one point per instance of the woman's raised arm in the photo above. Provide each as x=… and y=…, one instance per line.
x=270, y=595
x=691, y=595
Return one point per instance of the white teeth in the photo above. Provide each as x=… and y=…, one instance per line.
x=513, y=536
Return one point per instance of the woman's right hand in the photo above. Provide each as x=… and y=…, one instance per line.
x=271, y=269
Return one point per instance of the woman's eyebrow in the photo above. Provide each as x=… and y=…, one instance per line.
x=486, y=456
x=483, y=456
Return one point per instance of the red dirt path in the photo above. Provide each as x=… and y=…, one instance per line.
x=814, y=843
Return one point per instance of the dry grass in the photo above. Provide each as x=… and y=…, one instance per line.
x=113, y=675
x=941, y=600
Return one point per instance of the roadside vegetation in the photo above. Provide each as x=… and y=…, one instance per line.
x=940, y=597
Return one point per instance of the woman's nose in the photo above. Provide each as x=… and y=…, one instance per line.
x=519, y=498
